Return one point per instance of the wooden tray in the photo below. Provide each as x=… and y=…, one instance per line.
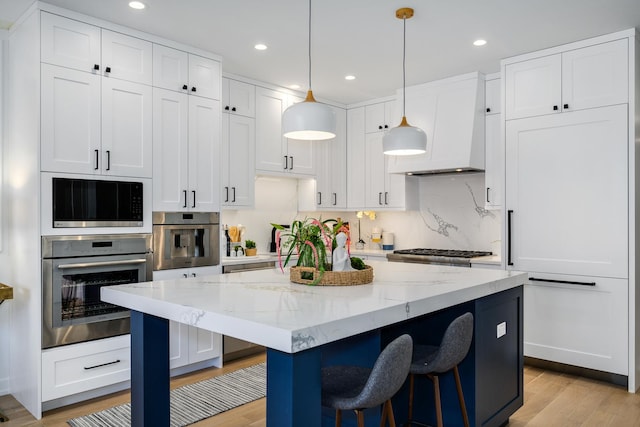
x=332, y=278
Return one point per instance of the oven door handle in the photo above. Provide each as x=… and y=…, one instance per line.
x=102, y=263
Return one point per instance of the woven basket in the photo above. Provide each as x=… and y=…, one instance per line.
x=332, y=278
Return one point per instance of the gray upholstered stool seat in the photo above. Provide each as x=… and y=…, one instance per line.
x=357, y=388
x=431, y=361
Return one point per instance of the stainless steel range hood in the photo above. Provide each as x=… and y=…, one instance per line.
x=451, y=112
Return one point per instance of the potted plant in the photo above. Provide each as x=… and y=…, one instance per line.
x=250, y=248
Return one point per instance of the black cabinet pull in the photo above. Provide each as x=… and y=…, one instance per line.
x=319, y=198
x=555, y=108
x=509, y=214
x=194, y=198
x=291, y=167
x=193, y=274
x=226, y=198
x=386, y=197
x=96, y=67
x=286, y=162
x=184, y=275
x=234, y=194
x=193, y=89
x=185, y=87
x=107, y=70
x=226, y=108
x=488, y=110
x=185, y=198
x=566, y=106
x=233, y=109
x=565, y=282
x=380, y=199
x=488, y=195
x=101, y=365
x=335, y=199
x=97, y=159
x=108, y=160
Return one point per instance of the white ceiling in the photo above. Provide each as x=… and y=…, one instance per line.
x=360, y=37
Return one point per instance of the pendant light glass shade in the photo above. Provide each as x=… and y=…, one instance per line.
x=309, y=120
x=404, y=140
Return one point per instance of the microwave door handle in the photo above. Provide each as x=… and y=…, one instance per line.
x=102, y=263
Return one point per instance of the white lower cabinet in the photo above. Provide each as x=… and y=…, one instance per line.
x=188, y=344
x=77, y=368
x=582, y=323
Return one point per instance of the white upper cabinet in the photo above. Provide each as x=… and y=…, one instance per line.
x=379, y=117
x=276, y=154
x=492, y=101
x=181, y=71
x=355, y=158
x=238, y=160
x=589, y=77
x=494, y=145
x=94, y=127
x=85, y=47
x=238, y=98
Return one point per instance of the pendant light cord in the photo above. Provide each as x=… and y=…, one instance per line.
x=404, y=55
x=309, y=44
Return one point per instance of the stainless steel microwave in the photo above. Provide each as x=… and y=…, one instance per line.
x=96, y=203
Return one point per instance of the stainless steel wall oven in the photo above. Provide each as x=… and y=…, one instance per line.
x=74, y=268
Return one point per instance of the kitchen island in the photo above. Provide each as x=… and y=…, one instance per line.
x=307, y=327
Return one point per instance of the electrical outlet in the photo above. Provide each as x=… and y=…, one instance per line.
x=501, y=329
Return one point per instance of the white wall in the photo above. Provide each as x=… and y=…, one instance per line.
x=451, y=215
x=5, y=308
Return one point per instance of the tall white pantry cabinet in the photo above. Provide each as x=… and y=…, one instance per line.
x=570, y=220
x=103, y=125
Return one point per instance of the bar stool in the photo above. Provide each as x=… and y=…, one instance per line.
x=430, y=361
x=357, y=388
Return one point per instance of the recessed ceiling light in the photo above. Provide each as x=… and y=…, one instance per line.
x=294, y=87
x=136, y=5
x=349, y=77
x=479, y=42
x=260, y=46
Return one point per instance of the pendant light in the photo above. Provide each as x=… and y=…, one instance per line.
x=309, y=120
x=404, y=140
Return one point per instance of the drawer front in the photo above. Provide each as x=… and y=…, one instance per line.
x=577, y=324
x=81, y=367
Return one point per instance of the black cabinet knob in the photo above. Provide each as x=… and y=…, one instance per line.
x=185, y=87
x=555, y=108
x=566, y=106
x=233, y=109
x=107, y=70
x=226, y=107
x=96, y=67
x=380, y=127
x=488, y=110
x=193, y=89
x=386, y=126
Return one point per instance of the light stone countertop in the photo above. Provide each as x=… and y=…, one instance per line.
x=265, y=308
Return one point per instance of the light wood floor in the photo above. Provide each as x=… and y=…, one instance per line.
x=551, y=399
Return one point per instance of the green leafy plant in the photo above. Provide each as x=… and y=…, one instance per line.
x=250, y=244
x=311, y=239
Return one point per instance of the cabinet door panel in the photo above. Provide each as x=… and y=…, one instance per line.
x=356, y=160
x=578, y=325
x=374, y=118
x=203, y=344
x=338, y=162
x=204, y=154
x=567, y=187
x=596, y=76
x=241, y=160
x=494, y=161
x=126, y=128
x=170, y=150
x=269, y=107
x=492, y=101
x=205, y=76
x=178, y=344
x=70, y=116
x=374, y=171
x=170, y=68
x=301, y=157
x=533, y=87
x=69, y=43
x=128, y=58
x=238, y=98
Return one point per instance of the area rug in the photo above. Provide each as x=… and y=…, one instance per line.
x=195, y=402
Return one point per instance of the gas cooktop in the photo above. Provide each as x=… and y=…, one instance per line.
x=436, y=256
